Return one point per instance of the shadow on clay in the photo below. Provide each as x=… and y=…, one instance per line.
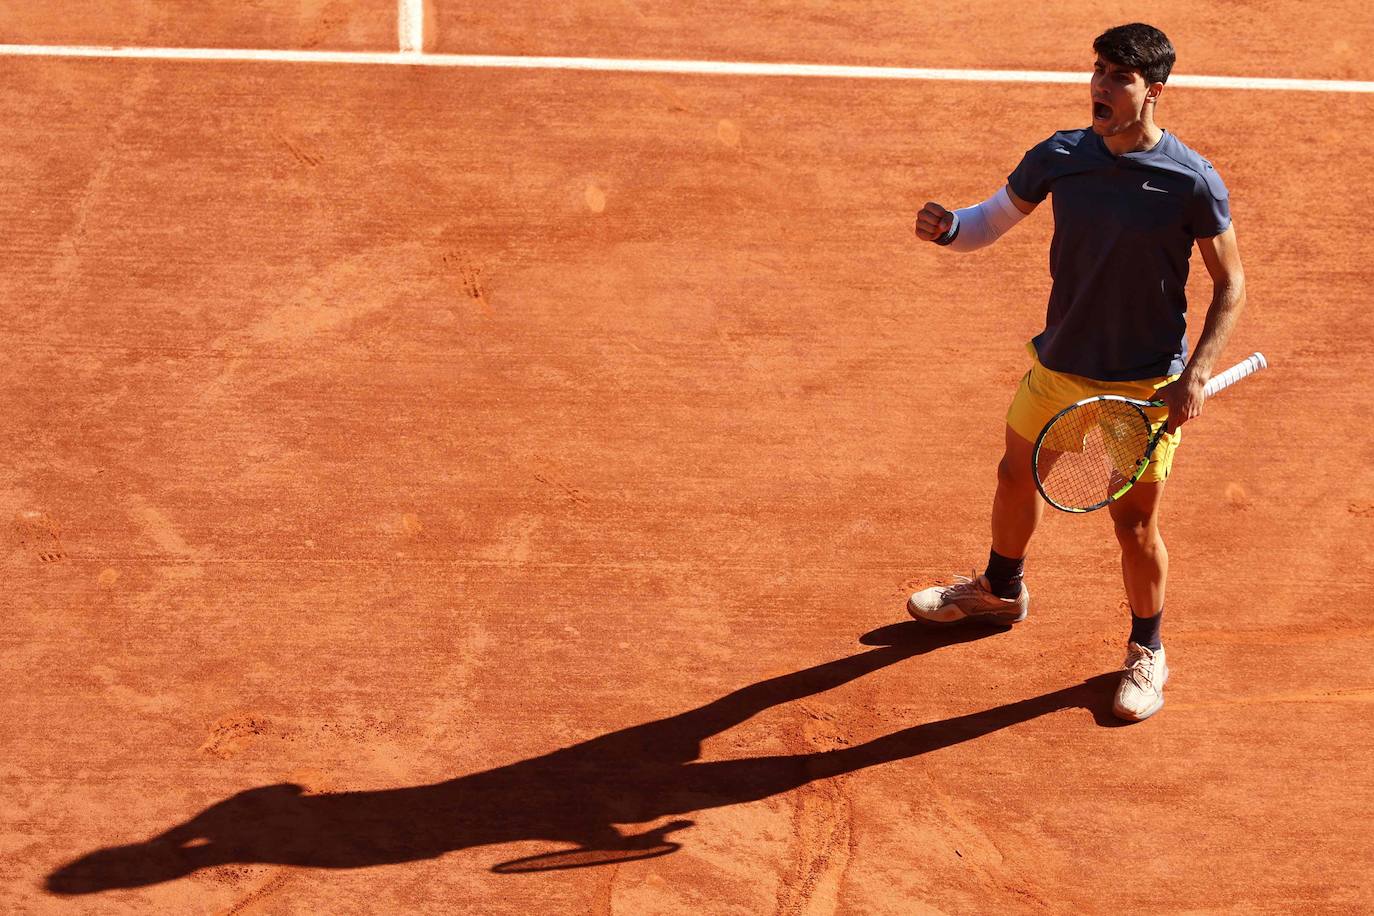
x=574, y=796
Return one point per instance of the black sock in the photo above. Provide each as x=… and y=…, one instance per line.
x=1145, y=631
x=1004, y=574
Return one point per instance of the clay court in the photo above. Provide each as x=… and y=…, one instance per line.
x=495, y=489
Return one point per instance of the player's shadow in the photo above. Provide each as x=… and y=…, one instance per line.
x=572, y=796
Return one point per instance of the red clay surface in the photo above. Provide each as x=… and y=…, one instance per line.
x=526, y=464
x=335, y=25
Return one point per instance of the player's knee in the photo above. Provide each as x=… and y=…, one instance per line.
x=1136, y=531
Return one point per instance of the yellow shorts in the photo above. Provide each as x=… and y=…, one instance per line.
x=1044, y=392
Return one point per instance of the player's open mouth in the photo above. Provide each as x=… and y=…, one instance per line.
x=1101, y=111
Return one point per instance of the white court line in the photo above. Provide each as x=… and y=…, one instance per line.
x=410, y=26
x=704, y=67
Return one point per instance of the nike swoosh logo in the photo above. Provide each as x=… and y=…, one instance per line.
x=1147, y=186
x=1060, y=149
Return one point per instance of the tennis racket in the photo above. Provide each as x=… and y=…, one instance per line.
x=1092, y=452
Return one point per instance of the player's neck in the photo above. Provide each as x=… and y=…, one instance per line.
x=1143, y=136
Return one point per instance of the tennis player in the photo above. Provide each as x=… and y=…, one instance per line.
x=1130, y=201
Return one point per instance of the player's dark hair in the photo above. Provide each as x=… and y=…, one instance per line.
x=1138, y=46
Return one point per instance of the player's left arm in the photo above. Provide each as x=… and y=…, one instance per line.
x=1222, y=257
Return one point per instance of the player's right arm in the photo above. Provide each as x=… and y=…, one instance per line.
x=970, y=228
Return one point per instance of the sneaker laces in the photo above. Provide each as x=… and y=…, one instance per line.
x=1140, y=667
x=963, y=585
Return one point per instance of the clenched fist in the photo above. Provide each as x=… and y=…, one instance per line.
x=933, y=221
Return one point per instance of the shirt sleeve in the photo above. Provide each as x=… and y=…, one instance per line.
x=1030, y=180
x=1211, y=207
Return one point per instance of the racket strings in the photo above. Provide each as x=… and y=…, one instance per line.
x=1090, y=452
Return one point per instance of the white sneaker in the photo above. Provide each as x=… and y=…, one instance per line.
x=1141, y=693
x=969, y=598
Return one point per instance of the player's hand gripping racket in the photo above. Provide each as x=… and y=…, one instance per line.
x=1092, y=452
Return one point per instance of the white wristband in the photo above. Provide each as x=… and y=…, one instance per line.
x=982, y=224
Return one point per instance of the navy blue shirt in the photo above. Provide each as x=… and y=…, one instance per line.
x=1123, y=234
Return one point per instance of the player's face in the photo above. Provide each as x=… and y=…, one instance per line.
x=1118, y=98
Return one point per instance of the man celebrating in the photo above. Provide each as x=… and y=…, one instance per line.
x=1129, y=200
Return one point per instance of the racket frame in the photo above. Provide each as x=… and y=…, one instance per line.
x=1140, y=467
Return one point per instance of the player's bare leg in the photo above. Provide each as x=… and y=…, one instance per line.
x=1145, y=569
x=1144, y=558
x=1017, y=506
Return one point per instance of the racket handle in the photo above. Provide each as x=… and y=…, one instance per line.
x=1248, y=366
